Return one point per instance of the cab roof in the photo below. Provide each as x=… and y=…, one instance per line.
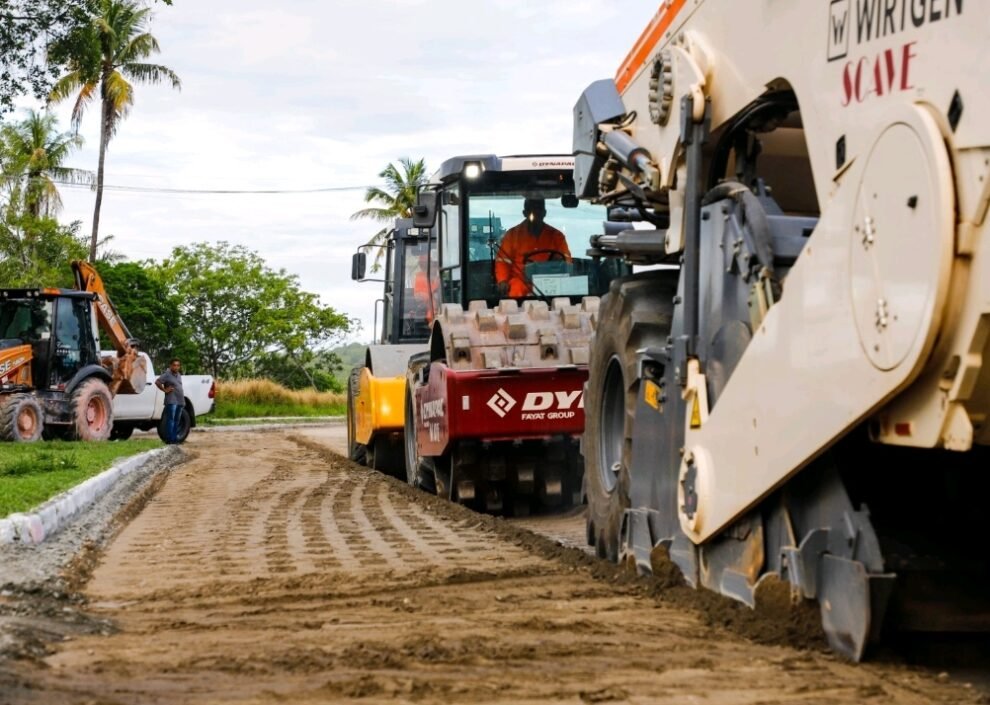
x=455, y=166
x=46, y=293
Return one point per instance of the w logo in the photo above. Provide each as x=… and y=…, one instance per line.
x=838, y=29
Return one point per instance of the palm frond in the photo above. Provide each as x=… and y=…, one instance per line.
x=139, y=47
x=382, y=215
x=151, y=74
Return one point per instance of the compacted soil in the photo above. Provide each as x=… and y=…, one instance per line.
x=269, y=569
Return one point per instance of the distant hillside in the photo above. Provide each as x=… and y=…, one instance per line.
x=351, y=355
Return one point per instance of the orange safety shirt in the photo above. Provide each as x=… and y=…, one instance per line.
x=422, y=292
x=510, y=265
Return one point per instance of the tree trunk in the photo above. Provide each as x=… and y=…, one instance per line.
x=105, y=117
x=302, y=368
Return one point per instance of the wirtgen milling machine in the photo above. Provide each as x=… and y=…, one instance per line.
x=802, y=397
x=494, y=407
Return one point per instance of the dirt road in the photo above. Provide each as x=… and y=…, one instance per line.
x=269, y=570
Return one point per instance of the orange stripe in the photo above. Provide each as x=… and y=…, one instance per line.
x=647, y=42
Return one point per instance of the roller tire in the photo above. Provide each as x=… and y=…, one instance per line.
x=21, y=418
x=635, y=313
x=185, y=423
x=386, y=456
x=357, y=452
x=417, y=475
x=91, y=407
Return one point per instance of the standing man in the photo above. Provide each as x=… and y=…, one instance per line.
x=520, y=245
x=170, y=382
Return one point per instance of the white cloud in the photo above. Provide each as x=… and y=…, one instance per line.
x=306, y=94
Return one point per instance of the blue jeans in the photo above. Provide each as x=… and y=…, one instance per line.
x=172, y=422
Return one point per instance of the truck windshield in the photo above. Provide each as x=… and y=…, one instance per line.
x=28, y=320
x=521, y=247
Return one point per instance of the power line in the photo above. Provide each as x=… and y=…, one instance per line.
x=160, y=189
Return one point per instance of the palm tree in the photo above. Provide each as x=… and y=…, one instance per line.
x=32, y=154
x=118, y=34
x=396, y=200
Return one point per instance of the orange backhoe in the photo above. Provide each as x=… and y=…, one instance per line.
x=54, y=380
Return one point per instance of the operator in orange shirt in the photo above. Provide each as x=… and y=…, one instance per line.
x=426, y=295
x=530, y=241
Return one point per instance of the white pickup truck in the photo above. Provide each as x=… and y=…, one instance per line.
x=145, y=411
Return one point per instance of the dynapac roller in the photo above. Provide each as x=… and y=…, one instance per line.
x=495, y=407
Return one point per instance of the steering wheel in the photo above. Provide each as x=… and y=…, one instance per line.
x=554, y=254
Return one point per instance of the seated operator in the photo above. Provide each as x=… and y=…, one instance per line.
x=423, y=294
x=519, y=244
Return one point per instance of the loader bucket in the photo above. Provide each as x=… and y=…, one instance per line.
x=128, y=371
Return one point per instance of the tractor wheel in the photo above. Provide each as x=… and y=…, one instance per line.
x=21, y=418
x=92, y=411
x=182, y=432
x=121, y=431
x=357, y=452
x=636, y=313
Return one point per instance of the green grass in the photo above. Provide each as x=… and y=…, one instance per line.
x=238, y=409
x=31, y=473
x=253, y=421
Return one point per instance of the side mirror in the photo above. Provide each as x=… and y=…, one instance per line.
x=359, y=263
x=425, y=210
x=569, y=200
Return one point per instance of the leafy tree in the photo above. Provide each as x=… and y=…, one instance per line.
x=32, y=158
x=238, y=309
x=103, y=56
x=37, y=251
x=396, y=200
x=150, y=312
x=28, y=30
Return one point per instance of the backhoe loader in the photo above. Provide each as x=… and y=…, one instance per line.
x=54, y=381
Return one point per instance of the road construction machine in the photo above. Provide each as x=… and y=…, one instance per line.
x=376, y=389
x=795, y=396
x=54, y=380
x=494, y=406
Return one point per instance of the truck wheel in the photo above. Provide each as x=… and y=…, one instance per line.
x=181, y=433
x=92, y=411
x=121, y=431
x=21, y=418
x=636, y=313
x=357, y=452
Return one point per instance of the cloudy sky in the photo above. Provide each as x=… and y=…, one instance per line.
x=316, y=94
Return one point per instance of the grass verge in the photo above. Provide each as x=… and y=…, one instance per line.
x=31, y=473
x=259, y=421
x=254, y=398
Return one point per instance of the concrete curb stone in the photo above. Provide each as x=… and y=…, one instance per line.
x=46, y=519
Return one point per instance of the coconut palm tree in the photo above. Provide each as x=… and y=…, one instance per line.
x=396, y=200
x=103, y=60
x=32, y=157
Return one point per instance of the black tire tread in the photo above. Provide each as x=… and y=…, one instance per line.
x=637, y=312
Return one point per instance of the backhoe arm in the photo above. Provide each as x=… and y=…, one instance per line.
x=128, y=369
